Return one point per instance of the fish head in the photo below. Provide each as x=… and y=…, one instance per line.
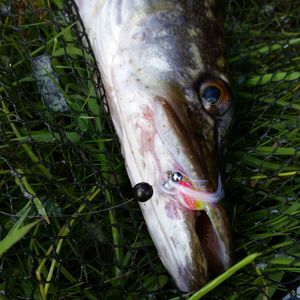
x=163, y=69
x=174, y=116
x=185, y=217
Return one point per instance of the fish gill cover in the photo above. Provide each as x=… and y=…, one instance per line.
x=68, y=226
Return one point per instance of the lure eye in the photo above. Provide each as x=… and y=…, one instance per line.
x=176, y=176
x=142, y=191
x=215, y=96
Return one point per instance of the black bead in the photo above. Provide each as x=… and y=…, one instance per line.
x=142, y=191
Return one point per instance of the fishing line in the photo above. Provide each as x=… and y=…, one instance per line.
x=74, y=215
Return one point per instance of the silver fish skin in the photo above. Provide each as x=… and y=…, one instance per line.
x=164, y=73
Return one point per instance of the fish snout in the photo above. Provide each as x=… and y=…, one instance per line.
x=193, y=245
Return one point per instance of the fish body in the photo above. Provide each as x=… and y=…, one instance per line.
x=164, y=73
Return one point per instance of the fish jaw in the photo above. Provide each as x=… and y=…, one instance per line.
x=197, y=196
x=193, y=246
x=172, y=230
x=188, y=225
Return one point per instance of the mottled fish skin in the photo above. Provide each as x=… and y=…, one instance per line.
x=153, y=54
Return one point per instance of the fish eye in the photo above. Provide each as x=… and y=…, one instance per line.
x=215, y=95
x=211, y=95
x=176, y=176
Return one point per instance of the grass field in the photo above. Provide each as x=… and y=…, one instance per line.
x=68, y=226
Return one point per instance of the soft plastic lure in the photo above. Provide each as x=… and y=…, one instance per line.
x=190, y=197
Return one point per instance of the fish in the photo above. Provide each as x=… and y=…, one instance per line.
x=165, y=77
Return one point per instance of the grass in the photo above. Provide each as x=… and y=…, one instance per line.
x=69, y=229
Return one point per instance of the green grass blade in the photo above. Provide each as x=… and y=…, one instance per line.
x=16, y=232
x=27, y=149
x=217, y=281
x=29, y=192
x=47, y=137
x=273, y=77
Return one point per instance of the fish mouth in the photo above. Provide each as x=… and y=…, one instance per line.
x=185, y=218
x=199, y=245
x=193, y=245
x=213, y=239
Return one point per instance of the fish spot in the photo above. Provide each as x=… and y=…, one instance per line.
x=148, y=114
x=221, y=62
x=172, y=210
x=209, y=14
x=193, y=32
x=147, y=142
x=140, y=36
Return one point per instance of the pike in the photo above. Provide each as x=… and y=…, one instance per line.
x=164, y=73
